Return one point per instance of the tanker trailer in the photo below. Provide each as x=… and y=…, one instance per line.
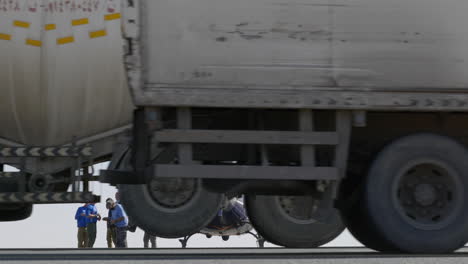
x=63, y=98
x=312, y=109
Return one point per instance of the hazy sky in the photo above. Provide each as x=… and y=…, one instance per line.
x=54, y=226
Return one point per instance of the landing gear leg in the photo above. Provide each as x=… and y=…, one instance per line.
x=260, y=240
x=184, y=241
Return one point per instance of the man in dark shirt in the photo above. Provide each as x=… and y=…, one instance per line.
x=82, y=222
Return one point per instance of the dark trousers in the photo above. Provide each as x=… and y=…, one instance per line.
x=121, y=241
x=147, y=238
x=82, y=237
x=91, y=234
x=111, y=237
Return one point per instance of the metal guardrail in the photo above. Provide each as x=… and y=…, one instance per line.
x=225, y=256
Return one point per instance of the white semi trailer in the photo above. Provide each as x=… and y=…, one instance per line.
x=323, y=113
x=312, y=109
x=63, y=98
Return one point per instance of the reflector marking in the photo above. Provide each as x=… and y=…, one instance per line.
x=33, y=42
x=50, y=27
x=23, y=24
x=97, y=34
x=112, y=16
x=79, y=22
x=5, y=36
x=65, y=40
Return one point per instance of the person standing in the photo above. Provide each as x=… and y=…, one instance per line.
x=82, y=222
x=93, y=217
x=120, y=219
x=131, y=225
x=149, y=238
x=111, y=235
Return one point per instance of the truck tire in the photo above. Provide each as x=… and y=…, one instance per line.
x=358, y=224
x=14, y=211
x=170, y=213
x=416, y=194
x=17, y=213
x=280, y=224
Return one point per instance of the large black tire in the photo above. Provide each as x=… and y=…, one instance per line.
x=160, y=217
x=170, y=222
x=416, y=194
x=272, y=223
x=357, y=221
x=15, y=212
x=355, y=216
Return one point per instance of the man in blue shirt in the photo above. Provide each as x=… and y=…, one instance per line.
x=82, y=222
x=120, y=219
x=93, y=217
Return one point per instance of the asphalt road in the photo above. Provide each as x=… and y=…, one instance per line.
x=224, y=256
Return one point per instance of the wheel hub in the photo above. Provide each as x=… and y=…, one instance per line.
x=299, y=209
x=426, y=195
x=172, y=193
